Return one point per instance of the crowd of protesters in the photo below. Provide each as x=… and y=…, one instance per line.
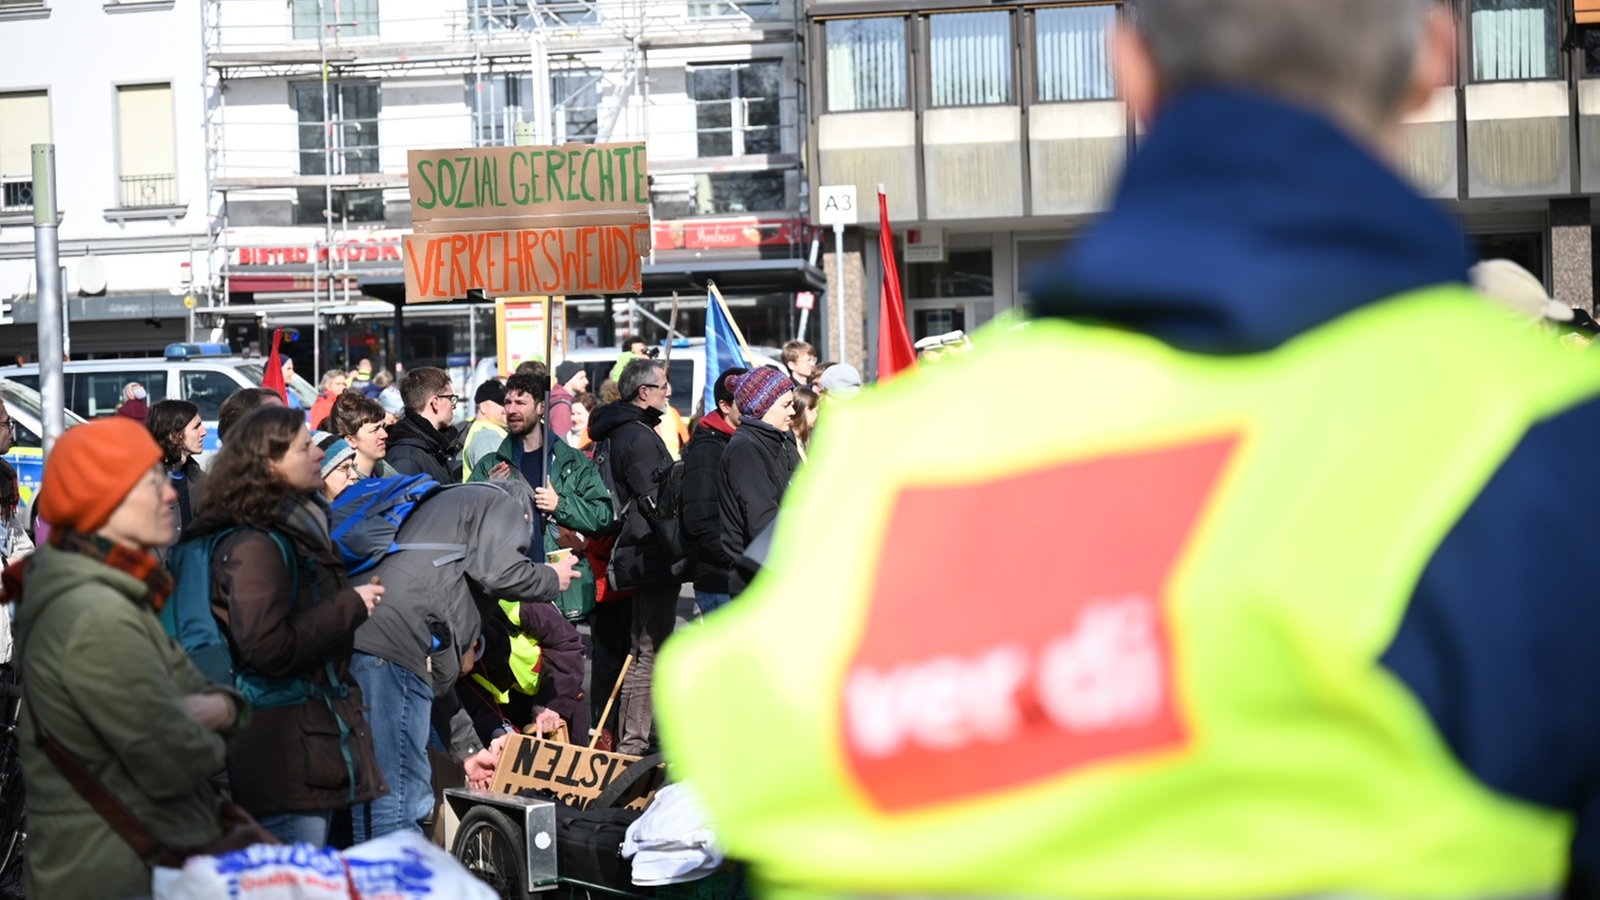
x=543, y=514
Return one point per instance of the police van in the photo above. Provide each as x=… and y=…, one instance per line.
x=27, y=435
x=203, y=374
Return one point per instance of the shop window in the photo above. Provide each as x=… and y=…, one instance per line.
x=736, y=107
x=346, y=18
x=352, y=110
x=866, y=62
x=970, y=57
x=498, y=102
x=1072, y=53
x=966, y=273
x=1513, y=40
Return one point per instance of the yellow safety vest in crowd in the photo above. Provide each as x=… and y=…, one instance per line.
x=1132, y=650
x=524, y=661
x=479, y=424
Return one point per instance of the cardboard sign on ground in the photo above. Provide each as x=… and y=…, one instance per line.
x=574, y=773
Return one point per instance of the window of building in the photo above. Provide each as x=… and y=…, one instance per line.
x=147, y=155
x=341, y=19
x=352, y=124
x=970, y=55
x=1514, y=40
x=755, y=10
x=1072, y=53
x=736, y=107
x=720, y=193
x=527, y=15
x=866, y=60
x=965, y=273
x=498, y=102
x=26, y=115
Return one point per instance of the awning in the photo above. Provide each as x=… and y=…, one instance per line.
x=744, y=276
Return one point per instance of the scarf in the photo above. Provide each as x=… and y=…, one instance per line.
x=141, y=565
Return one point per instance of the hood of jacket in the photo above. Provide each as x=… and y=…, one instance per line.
x=1243, y=221
x=616, y=414
x=414, y=431
x=715, y=421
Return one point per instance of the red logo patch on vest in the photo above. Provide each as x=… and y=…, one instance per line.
x=1018, y=628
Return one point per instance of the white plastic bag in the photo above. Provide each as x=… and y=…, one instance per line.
x=399, y=866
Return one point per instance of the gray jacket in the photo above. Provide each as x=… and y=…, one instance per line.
x=436, y=593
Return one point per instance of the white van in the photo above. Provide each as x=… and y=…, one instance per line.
x=203, y=374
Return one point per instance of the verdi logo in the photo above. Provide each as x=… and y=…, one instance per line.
x=985, y=667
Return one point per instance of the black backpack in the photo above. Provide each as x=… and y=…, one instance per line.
x=602, y=464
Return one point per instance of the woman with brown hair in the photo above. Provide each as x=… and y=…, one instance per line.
x=181, y=435
x=280, y=592
x=359, y=420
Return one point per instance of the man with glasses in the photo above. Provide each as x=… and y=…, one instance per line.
x=424, y=442
x=637, y=457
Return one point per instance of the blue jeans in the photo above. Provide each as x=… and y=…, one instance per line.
x=299, y=827
x=400, y=702
x=708, y=601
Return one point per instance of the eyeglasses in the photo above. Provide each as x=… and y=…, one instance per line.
x=451, y=397
x=347, y=469
x=654, y=387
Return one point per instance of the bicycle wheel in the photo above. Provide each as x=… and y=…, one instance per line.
x=491, y=846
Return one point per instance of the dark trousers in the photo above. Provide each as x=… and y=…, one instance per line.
x=655, y=612
x=609, y=625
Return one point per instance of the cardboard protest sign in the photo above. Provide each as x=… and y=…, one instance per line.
x=587, y=259
x=573, y=773
x=573, y=182
x=512, y=221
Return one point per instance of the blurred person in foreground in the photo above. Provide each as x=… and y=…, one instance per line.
x=102, y=677
x=1311, y=609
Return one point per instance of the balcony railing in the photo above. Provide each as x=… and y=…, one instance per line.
x=16, y=194
x=149, y=190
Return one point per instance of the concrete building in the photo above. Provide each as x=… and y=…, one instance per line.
x=997, y=135
x=118, y=88
x=313, y=106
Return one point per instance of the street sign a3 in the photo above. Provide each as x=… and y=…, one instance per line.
x=836, y=205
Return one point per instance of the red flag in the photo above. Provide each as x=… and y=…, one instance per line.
x=272, y=379
x=894, y=341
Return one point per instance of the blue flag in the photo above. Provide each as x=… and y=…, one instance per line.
x=723, y=349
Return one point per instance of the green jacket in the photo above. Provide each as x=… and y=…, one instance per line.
x=585, y=507
x=108, y=684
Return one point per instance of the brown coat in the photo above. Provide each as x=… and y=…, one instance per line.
x=291, y=758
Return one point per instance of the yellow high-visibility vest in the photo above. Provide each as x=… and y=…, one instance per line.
x=1133, y=649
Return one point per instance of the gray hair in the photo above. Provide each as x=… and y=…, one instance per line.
x=635, y=375
x=1353, y=56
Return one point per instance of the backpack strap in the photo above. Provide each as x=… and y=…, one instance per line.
x=453, y=552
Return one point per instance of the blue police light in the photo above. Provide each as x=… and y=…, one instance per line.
x=193, y=351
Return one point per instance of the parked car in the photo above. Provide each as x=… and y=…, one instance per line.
x=203, y=374
x=27, y=434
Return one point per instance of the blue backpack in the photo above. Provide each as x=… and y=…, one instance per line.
x=366, y=519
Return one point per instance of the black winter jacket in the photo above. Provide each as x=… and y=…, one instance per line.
x=637, y=457
x=418, y=448
x=756, y=469
x=701, y=516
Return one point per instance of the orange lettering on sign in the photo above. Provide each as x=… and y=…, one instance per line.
x=976, y=679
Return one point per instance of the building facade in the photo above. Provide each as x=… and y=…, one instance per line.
x=315, y=104
x=997, y=135
x=124, y=109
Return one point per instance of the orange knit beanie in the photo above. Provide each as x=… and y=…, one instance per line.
x=91, y=469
